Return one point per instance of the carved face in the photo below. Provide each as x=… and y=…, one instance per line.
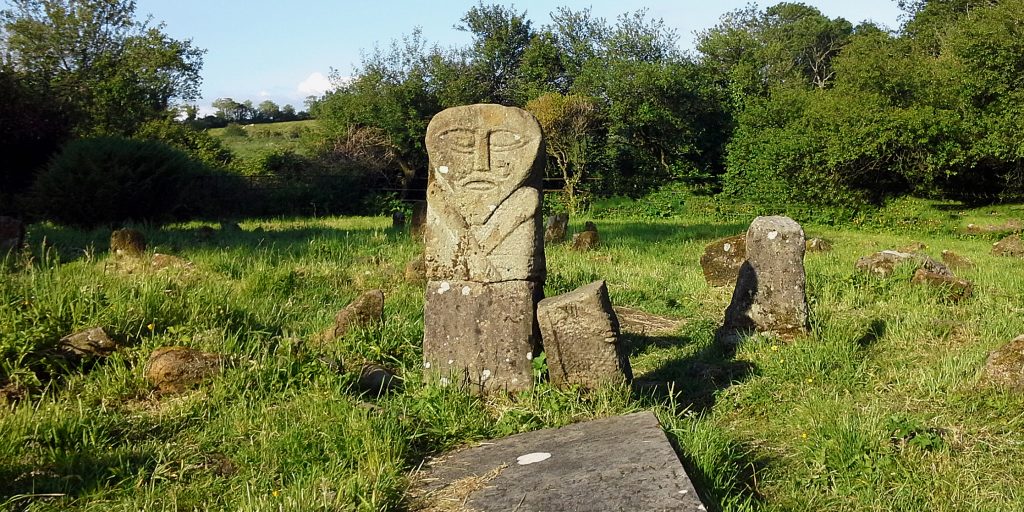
x=480, y=154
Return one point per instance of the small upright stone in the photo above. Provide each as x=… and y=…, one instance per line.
x=1005, y=366
x=555, y=228
x=12, y=235
x=818, y=245
x=957, y=289
x=419, y=219
x=722, y=259
x=127, y=242
x=176, y=369
x=398, y=219
x=366, y=310
x=1009, y=246
x=416, y=270
x=956, y=261
x=770, y=291
x=587, y=239
x=884, y=263
x=581, y=338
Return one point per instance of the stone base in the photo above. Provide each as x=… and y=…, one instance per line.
x=483, y=336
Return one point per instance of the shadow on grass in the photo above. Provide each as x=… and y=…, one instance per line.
x=69, y=476
x=640, y=232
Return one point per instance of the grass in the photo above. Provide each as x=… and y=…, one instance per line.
x=880, y=408
x=260, y=138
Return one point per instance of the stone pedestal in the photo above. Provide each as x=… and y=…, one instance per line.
x=581, y=338
x=770, y=293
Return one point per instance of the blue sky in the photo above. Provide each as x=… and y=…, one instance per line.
x=260, y=49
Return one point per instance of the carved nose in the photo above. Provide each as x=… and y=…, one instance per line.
x=482, y=155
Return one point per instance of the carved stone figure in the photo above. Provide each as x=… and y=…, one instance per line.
x=484, y=252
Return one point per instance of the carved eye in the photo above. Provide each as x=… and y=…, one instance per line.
x=459, y=140
x=505, y=140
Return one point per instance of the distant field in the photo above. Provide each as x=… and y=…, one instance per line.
x=880, y=408
x=269, y=136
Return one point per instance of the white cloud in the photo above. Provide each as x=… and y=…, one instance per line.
x=314, y=85
x=264, y=94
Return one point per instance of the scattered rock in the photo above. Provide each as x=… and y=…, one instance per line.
x=722, y=259
x=885, y=262
x=1009, y=246
x=176, y=369
x=913, y=247
x=419, y=219
x=1010, y=226
x=556, y=228
x=770, y=293
x=955, y=261
x=957, y=288
x=416, y=270
x=635, y=321
x=581, y=338
x=367, y=309
x=12, y=392
x=127, y=242
x=398, y=219
x=87, y=344
x=165, y=261
x=227, y=226
x=1005, y=366
x=12, y=235
x=818, y=245
x=377, y=380
x=586, y=240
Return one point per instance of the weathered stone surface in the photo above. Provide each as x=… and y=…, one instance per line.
x=1009, y=246
x=127, y=242
x=619, y=463
x=367, y=309
x=176, y=369
x=92, y=342
x=885, y=262
x=955, y=261
x=581, y=338
x=818, y=245
x=481, y=335
x=484, y=253
x=376, y=379
x=556, y=228
x=416, y=270
x=770, y=291
x=1005, y=365
x=632, y=320
x=956, y=288
x=1010, y=226
x=912, y=247
x=12, y=235
x=419, y=219
x=722, y=259
x=483, y=199
x=586, y=240
x=398, y=219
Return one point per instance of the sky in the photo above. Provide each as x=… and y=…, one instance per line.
x=286, y=50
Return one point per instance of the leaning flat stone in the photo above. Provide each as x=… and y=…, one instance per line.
x=367, y=309
x=88, y=343
x=956, y=288
x=618, y=463
x=1005, y=366
x=581, y=338
x=722, y=259
x=1009, y=246
x=480, y=335
x=956, y=261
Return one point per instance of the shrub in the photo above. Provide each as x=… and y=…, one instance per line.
x=108, y=180
x=234, y=130
x=199, y=144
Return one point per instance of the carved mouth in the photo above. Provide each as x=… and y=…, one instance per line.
x=480, y=184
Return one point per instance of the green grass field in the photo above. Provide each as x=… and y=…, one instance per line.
x=260, y=138
x=880, y=408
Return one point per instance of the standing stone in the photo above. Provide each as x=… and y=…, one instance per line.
x=770, y=290
x=398, y=219
x=365, y=310
x=484, y=251
x=587, y=239
x=12, y=235
x=555, y=228
x=722, y=259
x=416, y=270
x=419, y=219
x=581, y=338
x=127, y=242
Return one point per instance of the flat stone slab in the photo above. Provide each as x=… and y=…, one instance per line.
x=619, y=463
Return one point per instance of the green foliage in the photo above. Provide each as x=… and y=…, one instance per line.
x=110, y=180
x=199, y=144
x=234, y=130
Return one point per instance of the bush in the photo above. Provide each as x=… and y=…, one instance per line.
x=199, y=144
x=234, y=130
x=109, y=180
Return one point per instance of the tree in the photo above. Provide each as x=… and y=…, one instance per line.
x=108, y=72
x=269, y=111
x=570, y=124
x=500, y=39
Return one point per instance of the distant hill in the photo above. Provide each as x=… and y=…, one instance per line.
x=247, y=141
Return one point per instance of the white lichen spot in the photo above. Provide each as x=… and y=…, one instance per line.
x=531, y=458
x=445, y=286
x=507, y=360
x=443, y=169
x=492, y=207
x=727, y=247
x=484, y=375
x=426, y=365
x=518, y=136
x=772, y=235
x=465, y=290
x=529, y=356
x=684, y=491
x=451, y=361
